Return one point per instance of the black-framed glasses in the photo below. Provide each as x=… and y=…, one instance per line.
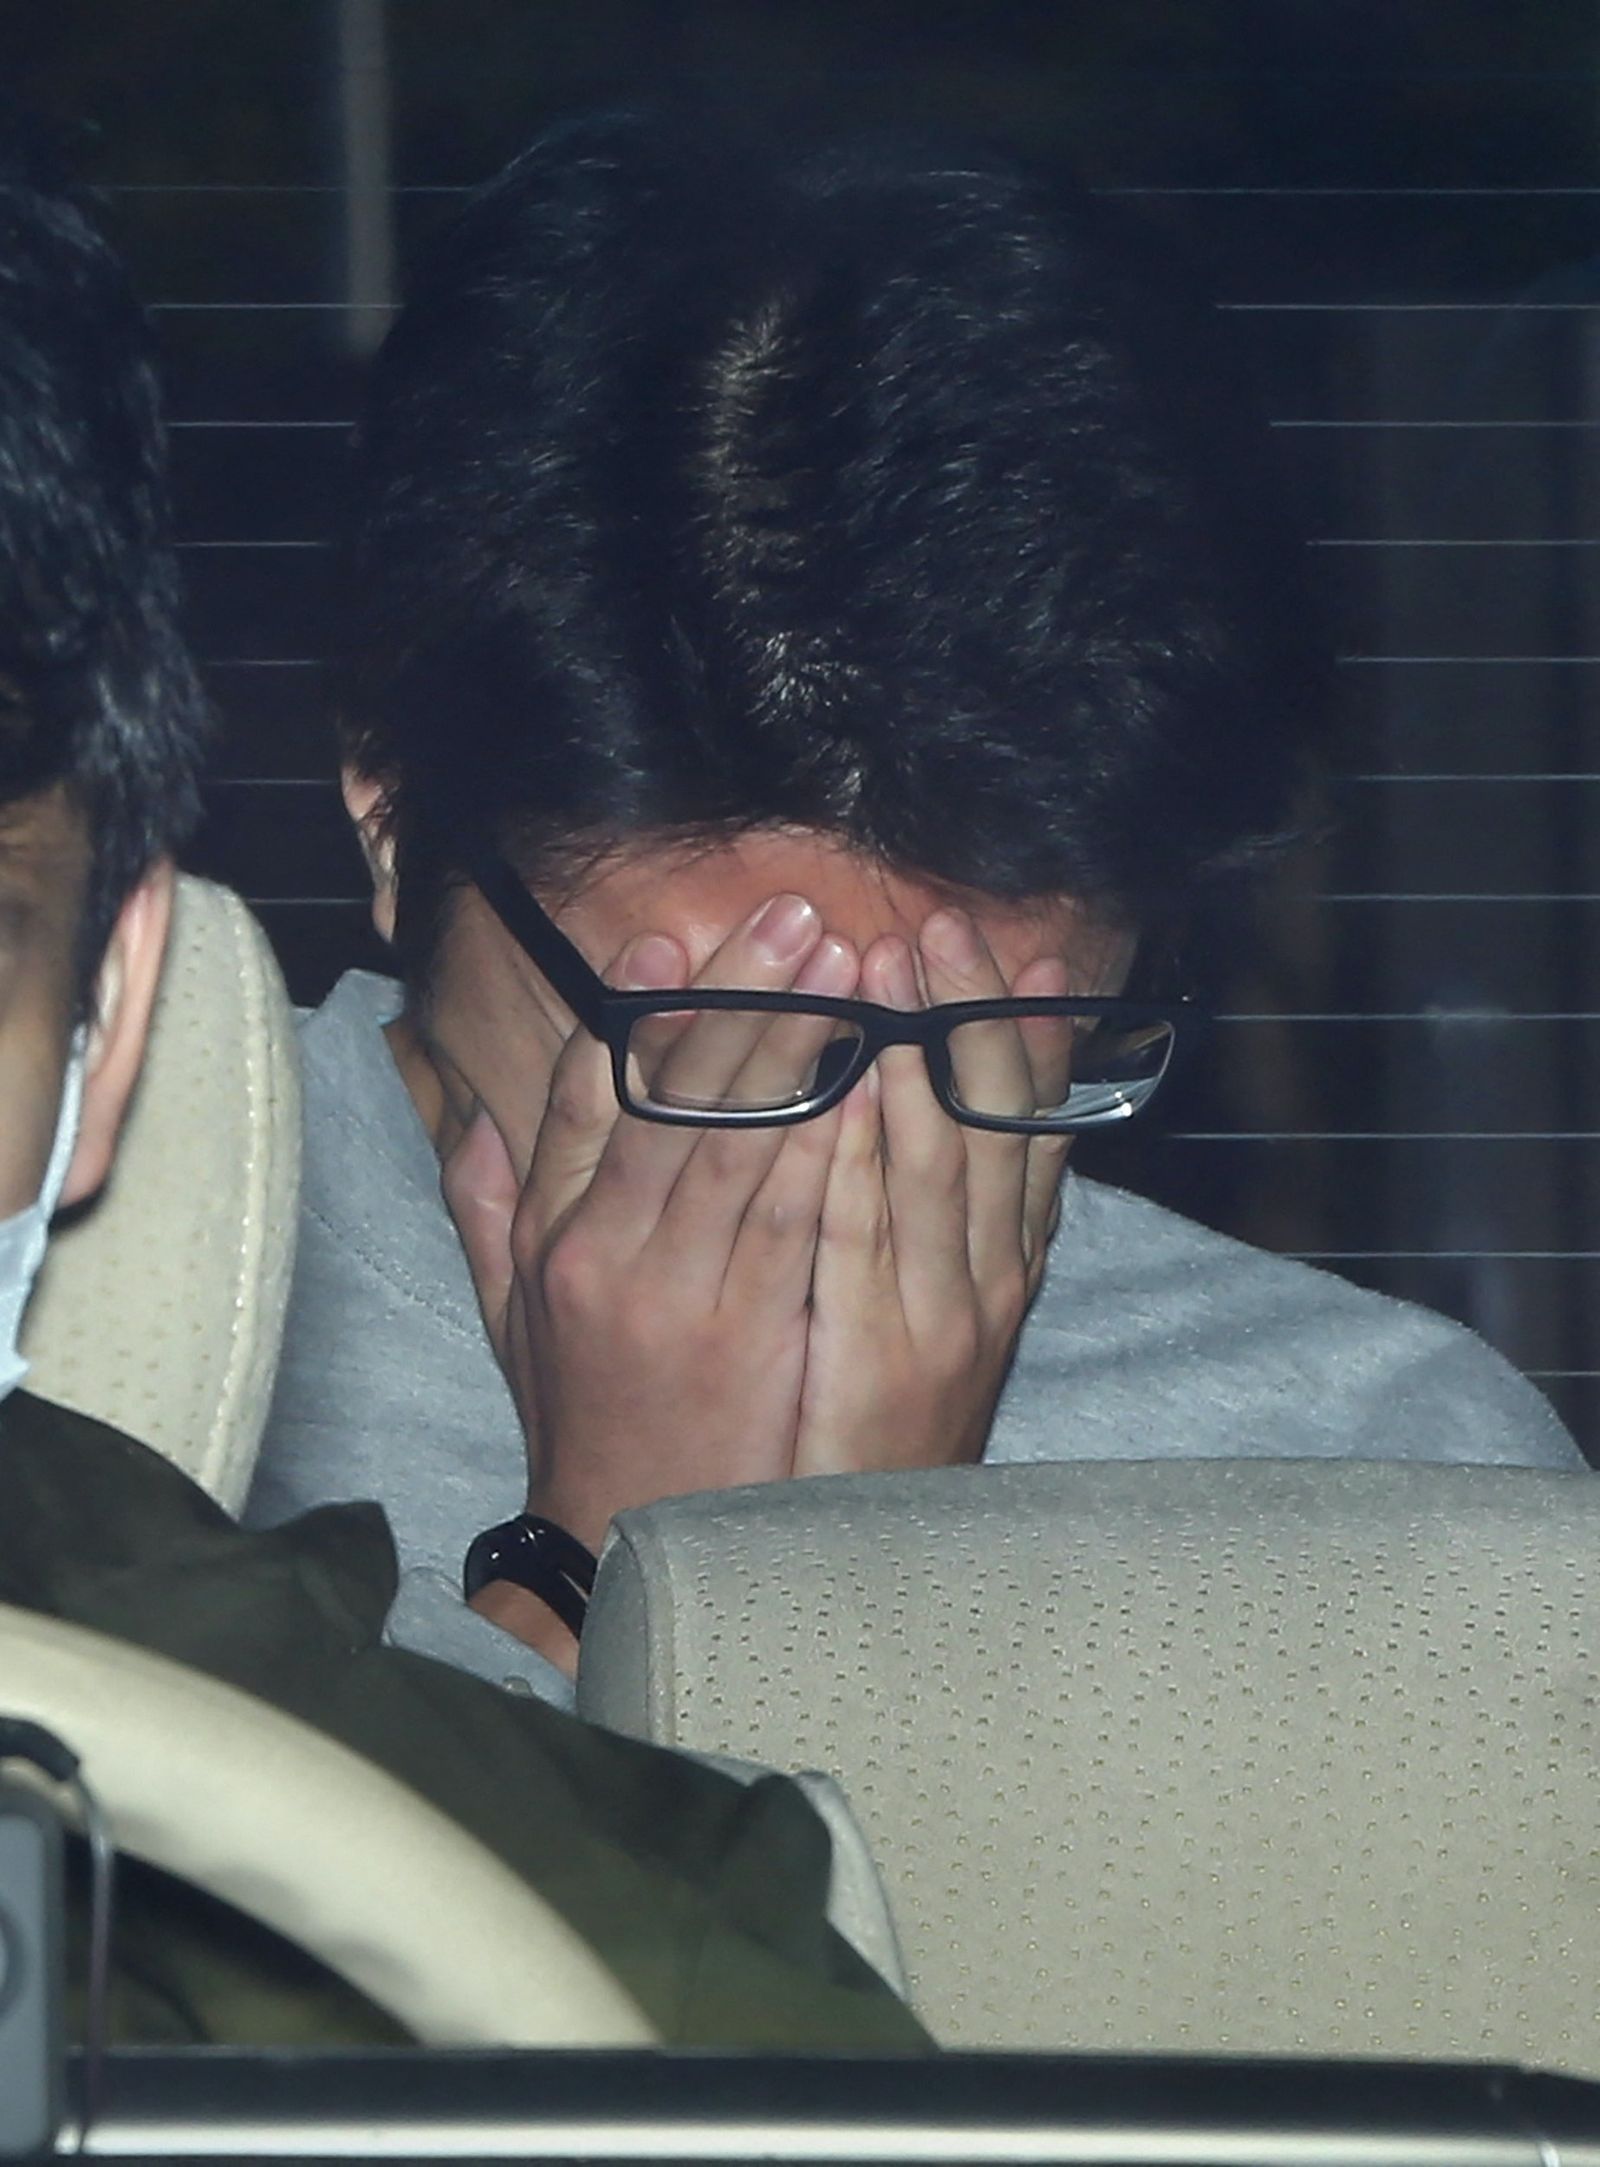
x=1056, y=1065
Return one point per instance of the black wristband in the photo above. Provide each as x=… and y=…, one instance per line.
x=535, y=1554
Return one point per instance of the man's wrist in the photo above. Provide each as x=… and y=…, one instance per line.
x=538, y=1554
x=520, y=1613
x=582, y=1521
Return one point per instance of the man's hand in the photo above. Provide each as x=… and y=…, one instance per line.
x=647, y=1290
x=933, y=1235
x=682, y=1308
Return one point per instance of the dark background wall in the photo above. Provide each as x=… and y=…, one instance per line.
x=1398, y=203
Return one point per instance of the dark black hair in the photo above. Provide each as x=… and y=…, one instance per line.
x=97, y=691
x=882, y=489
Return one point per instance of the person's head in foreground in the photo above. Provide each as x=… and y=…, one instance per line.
x=658, y=1863
x=100, y=713
x=835, y=576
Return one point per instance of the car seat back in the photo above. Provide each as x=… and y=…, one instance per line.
x=1258, y=1756
x=160, y=1307
x=161, y=1311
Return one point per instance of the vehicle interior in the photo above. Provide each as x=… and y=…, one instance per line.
x=1216, y=1810
x=1268, y=1765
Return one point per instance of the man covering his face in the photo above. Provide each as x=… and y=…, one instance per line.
x=814, y=631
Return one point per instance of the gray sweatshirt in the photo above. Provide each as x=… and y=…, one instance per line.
x=1152, y=1337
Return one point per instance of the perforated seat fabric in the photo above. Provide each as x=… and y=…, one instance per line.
x=1251, y=1756
x=161, y=1309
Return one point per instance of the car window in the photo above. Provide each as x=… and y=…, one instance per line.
x=1393, y=208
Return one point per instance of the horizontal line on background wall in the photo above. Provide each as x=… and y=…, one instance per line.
x=1377, y=422
x=219, y=422
x=1574, y=775
x=461, y=188
x=1453, y=1256
x=1455, y=662
x=1461, y=662
x=1332, y=541
x=1444, y=541
x=245, y=542
x=1403, y=308
x=1224, y=308
x=1452, y=896
x=1385, y=1136
x=259, y=308
x=270, y=188
x=1440, y=1016
x=1587, y=775
x=1308, y=75
x=1359, y=189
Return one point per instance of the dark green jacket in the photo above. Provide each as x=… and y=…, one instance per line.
x=704, y=1896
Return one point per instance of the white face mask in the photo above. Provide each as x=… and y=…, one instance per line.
x=23, y=1237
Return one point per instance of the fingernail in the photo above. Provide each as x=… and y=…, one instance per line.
x=784, y=927
x=953, y=938
x=652, y=960
x=830, y=969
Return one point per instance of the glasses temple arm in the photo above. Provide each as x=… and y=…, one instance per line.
x=535, y=931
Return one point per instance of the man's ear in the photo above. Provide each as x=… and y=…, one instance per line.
x=119, y=1024
x=367, y=802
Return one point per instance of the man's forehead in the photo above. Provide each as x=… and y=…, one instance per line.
x=699, y=892
x=720, y=881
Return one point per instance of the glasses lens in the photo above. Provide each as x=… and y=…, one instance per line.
x=1053, y=1070
x=739, y=1062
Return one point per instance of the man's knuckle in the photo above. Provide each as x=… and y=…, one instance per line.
x=570, y=1271
x=572, y=1094
x=778, y=1220
x=527, y=1242
x=932, y=1154
x=1009, y=1288
x=728, y=1155
x=943, y=1176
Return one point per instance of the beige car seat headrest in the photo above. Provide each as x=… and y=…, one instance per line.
x=161, y=1311
x=160, y=1307
x=1259, y=1757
